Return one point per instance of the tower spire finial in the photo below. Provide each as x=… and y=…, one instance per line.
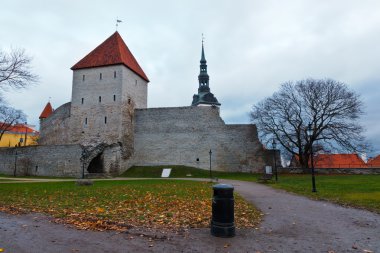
x=117, y=22
x=203, y=58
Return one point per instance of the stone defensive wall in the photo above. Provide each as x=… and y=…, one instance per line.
x=51, y=160
x=55, y=129
x=185, y=135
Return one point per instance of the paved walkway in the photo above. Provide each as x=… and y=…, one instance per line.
x=291, y=224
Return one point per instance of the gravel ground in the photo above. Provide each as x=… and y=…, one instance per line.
x=291, y=224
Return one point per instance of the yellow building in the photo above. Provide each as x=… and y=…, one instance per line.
x=19, y=135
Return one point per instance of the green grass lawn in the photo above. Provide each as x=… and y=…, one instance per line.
x=117, y=205
x=354, y=190
x=361, y=191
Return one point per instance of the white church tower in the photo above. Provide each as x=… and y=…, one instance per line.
x=108, y=84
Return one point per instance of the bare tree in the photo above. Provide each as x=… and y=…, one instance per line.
x=8, y=117
x=329, y=106
x=15, y=69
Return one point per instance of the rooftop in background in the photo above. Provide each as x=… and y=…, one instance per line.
x=112, y=51
x=334, y=161
x=374, y=162
x=338, y=161
x=21, y=129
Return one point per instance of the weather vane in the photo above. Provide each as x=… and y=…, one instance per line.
x=203, y=38
x=117, y=22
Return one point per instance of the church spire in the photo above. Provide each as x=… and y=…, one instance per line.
x=204, y=96
x=203, y=77
x=203, y=58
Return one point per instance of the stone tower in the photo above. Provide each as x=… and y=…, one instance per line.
x=108, y=84
x=204, y=96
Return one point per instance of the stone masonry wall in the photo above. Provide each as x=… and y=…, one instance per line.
x=102, y=99
x=185, y=135
x=54, y=130
x=49, y=160
x=96, y=105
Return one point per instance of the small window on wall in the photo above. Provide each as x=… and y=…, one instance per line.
x=129, y=101
x=100, y=99
x=83, y=78
x=114, y=97
x=105, y=120
x=85, y=121
x=82, y=101
x=100, y=76
x=114, y=74
x=135, y=82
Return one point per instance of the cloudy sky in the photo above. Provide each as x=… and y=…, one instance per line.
x=252, y=46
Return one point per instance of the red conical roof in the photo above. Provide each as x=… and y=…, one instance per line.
x=47, y=111
x=111, y=52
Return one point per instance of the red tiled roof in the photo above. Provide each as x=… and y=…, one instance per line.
x=20, y=128
x=338, y=161
x=374, y=162
x=335, y=161
x=47, y=111
x=111, y=52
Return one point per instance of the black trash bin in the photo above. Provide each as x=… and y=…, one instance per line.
x=222, y=221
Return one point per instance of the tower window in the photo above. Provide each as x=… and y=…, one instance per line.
x=105, y=120
x=82, y=101
x=85, y=121
x=100, y=99
x=114, y=74
x=83, y=77
x=114, y=97
x=100, y=76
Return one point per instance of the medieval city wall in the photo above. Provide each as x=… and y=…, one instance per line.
x=185, y=135
x=55, y=129
x=49, y=160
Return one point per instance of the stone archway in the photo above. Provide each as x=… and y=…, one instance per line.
x=96, y=165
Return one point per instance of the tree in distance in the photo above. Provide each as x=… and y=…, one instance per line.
x=15, y=72
x=328, y=105
x=16, y=69
x=8, y=117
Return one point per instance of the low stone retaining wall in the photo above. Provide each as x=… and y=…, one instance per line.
x=53, y=160
x=354, y=171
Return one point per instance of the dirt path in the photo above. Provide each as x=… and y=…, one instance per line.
x=291, y=224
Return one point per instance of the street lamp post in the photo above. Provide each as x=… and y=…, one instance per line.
x=310, y=134
x=26, y=132
x=83, y=160
x=15, y=170
x=274, y=144
x=210, y=153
